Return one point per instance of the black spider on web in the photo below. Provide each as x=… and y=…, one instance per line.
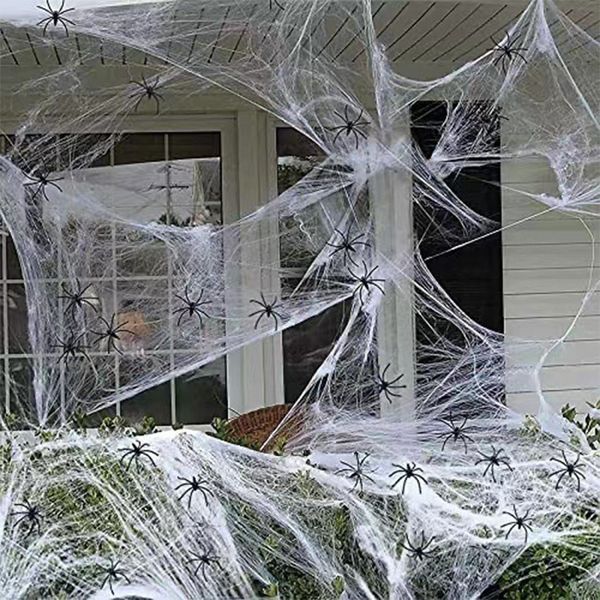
x=137, y=451
x=42, y=179
x=569, y=468
x=347, y=245
x=29, y=513
x=267, y=310
x=419, y=550
x=507, y=52
x=77, y=297
x=351, y=126
x=147, y=90
x=518, y=522
x=387, y=387
x=457, y=432
x=409, y=471
x=495, y=459
x=365, y=281
x=356, y=471
x=71, y=347
x=112, y=333
x=56, y=16
x=490, y=124
x=192, y=307
x=195, y=484
x=205, y=560
x=113, y=574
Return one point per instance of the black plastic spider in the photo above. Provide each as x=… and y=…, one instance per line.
x=266, y=310
x=30, y=513
x=113, y=573
x=112, y=333
x=457, y=432
x=192, y=307
x=137, y=451
x=195, y=484
x=347, y=245
x=507, y=52
x=71, y=347
x=147, y=91
x=490, y=124
x=41, y=178
x=356, y=472
x=518, y=522
x=206, y=559
x=387, y=386
x=410, y=470
x=77, y=298
x=421, y=551
x=570, y=469
x=350, y=126
x=56, y=16
x=365, y=282
x=495, y=459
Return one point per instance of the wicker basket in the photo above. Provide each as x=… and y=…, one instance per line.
x=257, y=426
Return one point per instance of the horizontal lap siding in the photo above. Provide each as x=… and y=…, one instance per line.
x=548, y=259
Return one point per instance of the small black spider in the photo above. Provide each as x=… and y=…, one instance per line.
x=147, y=91
x=570, y=469
x=56, y=16
x=77, y=298
x=266, y=310
x=71, y=347
x=365, y=282
x=195, y=484
x=507, y=52
x=518, y=522
x=490, y=124
x=111, y=333
x=421, y=551
x=356, y=472
x=347, y=245
x=113, y=573
x=457, y=432
x=192, y=307
x=411, y=470
x=387, y=386
x=30, y=513
x=137, y=451
x=41, y=178
x=350, y=126
x=495, y=459
x=206, y=559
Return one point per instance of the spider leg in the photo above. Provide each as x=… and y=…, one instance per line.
x=110, y=587
x=198, y=313
x=262, y=314
x=137, y=104
x=355, y=137
x=68, y=10
x=68, y=20
x=337, y=135
x=464, y=440
x=44, y=9
x=576, y=475
x=359, y=132
x=62, y=22
x=37, y=25
x=157, y=101
x=62, y=5
x=404, y=484
x=487, y=468
x=275, y=319
x=560, y=479
x=448, y=436
x=509, y=530
x=182, y=314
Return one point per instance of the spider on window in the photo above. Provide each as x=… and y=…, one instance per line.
x=41, y=178
x=495, y=459
x=137, y=451
x=204, y=560
x=457, y=432
x=387, y=386
x=72, y=347
x=112, y=333
x=77, y=298
x=30, y=513
x=365, y=282
x=350, y=126
x=192, y=307
x=420, y=551
x=518, y=522
x=569, y=468
x=195, y=484
x=411, y=470
x=266, y=310
x=507, y=52
x=56, y=16
x=147, y=91
x=113, y=573
x=347, y=245
x=356, y=472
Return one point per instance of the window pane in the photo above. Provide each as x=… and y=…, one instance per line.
x=140, y=148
